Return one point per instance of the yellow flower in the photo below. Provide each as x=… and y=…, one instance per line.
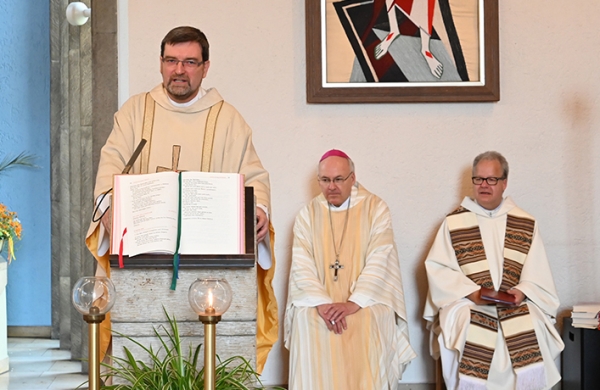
x=10, y=230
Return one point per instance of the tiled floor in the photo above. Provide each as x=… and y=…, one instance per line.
x=39, y=364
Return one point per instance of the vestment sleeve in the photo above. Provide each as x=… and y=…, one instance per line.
x=447, y=283
x=118, y=148
x=536, y=280
x=113, y=156
x=380, y=280
x=305, y=287
x=239, y=150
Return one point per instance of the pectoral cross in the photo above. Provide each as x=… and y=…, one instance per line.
x=336, y=266
x=174, y=161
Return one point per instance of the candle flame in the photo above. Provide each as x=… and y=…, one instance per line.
x=210, y=298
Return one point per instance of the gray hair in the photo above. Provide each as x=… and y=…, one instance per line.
x=492, y=156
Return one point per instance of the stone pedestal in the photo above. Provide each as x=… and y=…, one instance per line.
x=142, y=294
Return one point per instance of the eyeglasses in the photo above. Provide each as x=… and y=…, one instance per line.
x=188, y=64
x=337, y=181
x=490, y=180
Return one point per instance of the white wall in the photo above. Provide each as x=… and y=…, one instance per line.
x=415, y=156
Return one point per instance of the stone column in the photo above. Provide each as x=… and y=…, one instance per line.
x=83, y=98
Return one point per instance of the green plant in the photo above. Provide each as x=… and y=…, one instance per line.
x=10, y=226
x=175, y=371
x=23, y=159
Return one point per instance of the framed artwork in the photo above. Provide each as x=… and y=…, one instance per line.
x=386, y=51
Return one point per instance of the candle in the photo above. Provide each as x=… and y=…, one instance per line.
x=210, y=309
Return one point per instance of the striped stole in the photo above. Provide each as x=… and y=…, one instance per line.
x=516, y=322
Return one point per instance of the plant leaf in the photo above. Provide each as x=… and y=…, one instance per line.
x=22, y=159
x=176, y=371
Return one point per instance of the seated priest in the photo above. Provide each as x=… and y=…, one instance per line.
x=492, y=300
x=345, y=320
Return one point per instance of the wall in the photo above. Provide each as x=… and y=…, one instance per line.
x=25, y=126
x=415, y=156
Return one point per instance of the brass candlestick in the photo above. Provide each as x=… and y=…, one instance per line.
x=210, y=340
x=94, y=318
x=94, y=297
x=210, y=298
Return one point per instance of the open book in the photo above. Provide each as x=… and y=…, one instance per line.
x=203, y=210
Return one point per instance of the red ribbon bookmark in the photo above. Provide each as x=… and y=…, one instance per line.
x=121, y=265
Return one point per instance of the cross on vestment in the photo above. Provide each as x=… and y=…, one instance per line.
x=174, y=161
x=336, y=266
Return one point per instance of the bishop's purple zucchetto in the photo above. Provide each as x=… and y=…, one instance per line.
x=334, y=152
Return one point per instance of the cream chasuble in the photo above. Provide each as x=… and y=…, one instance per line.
x=373, y=352
x=177, y=144
x=448, y=311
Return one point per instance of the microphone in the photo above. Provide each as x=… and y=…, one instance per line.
x=134, y=156
x=125, y=171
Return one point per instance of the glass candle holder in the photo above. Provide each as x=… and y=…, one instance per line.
x=210, y=297
x=94, y=294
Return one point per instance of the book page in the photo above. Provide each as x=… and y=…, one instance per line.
x=212, y=213
x=147, y=206
x=587, y=307
x=585, y=315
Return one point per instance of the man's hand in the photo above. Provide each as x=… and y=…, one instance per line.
x=262, y=224
x=475, y=296
x=107, y=221
x=518, y=294
x=321, y=310
x=334, y=315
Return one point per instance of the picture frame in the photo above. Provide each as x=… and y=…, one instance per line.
x=392, y=85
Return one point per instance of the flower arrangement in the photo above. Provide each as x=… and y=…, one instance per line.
x=10, y=226
x=10, y=230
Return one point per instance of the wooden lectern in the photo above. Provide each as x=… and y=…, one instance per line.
x=143, y=288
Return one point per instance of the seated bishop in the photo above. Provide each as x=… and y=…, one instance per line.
x=345, y=320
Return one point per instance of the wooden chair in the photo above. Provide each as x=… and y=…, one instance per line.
x=439, y=378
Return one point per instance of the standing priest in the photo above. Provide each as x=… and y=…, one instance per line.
x=190, y=128
x=487, y=245
x=345, y=317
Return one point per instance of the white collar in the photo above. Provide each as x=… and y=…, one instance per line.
x=343, y=206
x=505, y=206
x=493, y=212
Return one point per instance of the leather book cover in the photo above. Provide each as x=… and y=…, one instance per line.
x=501, y=297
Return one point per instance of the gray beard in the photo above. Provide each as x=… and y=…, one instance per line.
x=180, y=92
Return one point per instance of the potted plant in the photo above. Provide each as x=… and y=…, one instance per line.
x=171, y=368
x=10, y=226
x=10, y=230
